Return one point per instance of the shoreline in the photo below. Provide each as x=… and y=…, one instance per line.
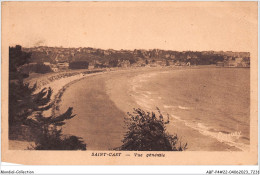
x=125, y=103
x=197, y=140
x=122, y=98
x=58, y=87
x=150, y=100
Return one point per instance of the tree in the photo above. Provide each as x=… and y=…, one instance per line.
x=49, y=131
x=26, y=108
x=17, y=57
x=113, y=62
x=23, y=101
x=148, y=133
x=132, y=60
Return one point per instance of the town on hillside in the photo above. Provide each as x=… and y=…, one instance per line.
x=59, y=58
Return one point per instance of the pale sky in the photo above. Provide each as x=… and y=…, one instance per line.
x=133, y=25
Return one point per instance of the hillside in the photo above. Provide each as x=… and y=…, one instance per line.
x=124, y=58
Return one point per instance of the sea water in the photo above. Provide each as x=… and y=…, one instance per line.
x=213, y=101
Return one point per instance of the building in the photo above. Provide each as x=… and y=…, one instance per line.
x=47, y=63
x=220, y=64
x=161, y=62
x=236, y=62
x=125, y=63
x=63, y=65
x=54, y=69
x=91, y=65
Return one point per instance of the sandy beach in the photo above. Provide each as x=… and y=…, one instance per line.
x=101, y=103
x=58, y=82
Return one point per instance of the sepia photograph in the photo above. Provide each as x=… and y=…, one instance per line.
x=130, y=82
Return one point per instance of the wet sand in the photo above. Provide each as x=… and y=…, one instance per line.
x=99, y=122
x=101, y=103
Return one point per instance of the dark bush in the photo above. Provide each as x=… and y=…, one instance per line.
x=49, y=133
x=78, y=65
x=42, y=69
x=23, y=101
x=17, y=75
x=17, y=58
x=37, y=68
x=25, y=111
x=26, y=108
x=146, y=132
x=54, y=140
x=113, y=63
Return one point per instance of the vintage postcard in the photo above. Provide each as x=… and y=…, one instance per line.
x=130, y=83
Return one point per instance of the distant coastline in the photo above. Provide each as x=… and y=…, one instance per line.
x=59, y=58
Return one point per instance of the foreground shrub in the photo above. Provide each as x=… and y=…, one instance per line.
x=146, y=132
x=26, y=120
x=54, y=140
x=24, y=101
x=49, y=133
x=26, y=107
